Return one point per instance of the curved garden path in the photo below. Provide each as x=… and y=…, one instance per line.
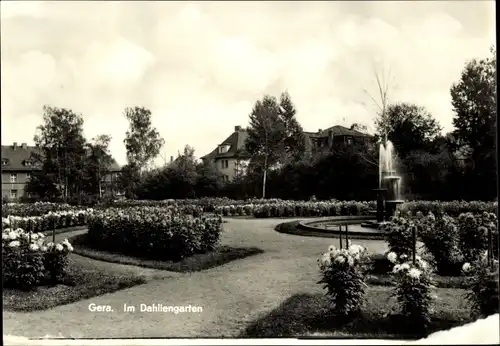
x=231, y=295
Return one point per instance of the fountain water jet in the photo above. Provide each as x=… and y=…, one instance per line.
x=389, y=190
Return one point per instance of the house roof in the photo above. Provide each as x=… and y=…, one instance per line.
x=19, y=154
x=236, y=141
x=339, y=130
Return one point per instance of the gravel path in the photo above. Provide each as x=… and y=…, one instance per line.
x=231, y=295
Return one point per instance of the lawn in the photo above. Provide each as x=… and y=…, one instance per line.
x=305, y=315
x=82, y=282
x=221, y=255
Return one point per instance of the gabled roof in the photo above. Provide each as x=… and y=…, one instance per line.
x=236, y=141
x=18, y=155
x=339, y=130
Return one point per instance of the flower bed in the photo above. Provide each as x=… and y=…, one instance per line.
x=153, y=232
x=28, y=260
x=34, y=209
x=47, y=222
x=451, y=208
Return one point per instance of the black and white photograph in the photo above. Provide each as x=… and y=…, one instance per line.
x=250, y=172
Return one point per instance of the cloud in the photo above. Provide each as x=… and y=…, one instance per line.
x=200, y=66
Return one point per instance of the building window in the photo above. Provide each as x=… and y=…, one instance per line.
x=28, y=163
x=13, y=178
x=13, y=194
x=28, y=176
x=349, y=140
x=225, y=164
x=226, y=178
x=5, y=162
x=224, y=148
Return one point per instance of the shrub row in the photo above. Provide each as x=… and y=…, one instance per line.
x=450, y=241
x=47, y=222
x=153, y=232
x=34, y=209
x=451, y=208
x=29, y=261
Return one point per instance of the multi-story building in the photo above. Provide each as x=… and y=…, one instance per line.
x=323, y=140
x=230, y=159
x=229, y=156
x=17, y=167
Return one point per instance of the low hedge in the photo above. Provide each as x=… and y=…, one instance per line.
x=153, y=232
x=47, y=222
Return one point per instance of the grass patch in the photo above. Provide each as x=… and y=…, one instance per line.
x=80, y=283
x=304, y=315
x=64, y=230
x=221, y=255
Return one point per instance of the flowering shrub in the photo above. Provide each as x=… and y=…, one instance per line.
x=48, y=221
x=34, y=209
x=451, y=208
x=27, y=259
x=153, y=232
x=440, y=237
x=398, y=234
x=483, y=291
x=473, y=234
x=414, y=284
x=343, y=276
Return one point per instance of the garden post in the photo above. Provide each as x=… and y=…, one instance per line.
x=346, y=236
x=340, y=227
x=54, y=233
x=414, y=243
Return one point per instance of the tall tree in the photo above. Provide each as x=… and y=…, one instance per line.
x=474, y=104
x=410, y=127
x=266, y=136
x=142, y=140
x=99, y=161
x=61, y=153
x=294, y=141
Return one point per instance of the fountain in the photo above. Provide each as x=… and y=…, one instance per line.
x=389, y=191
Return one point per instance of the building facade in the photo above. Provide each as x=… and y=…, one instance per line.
x=17, y=167
x=230, y=160
x=229, y=157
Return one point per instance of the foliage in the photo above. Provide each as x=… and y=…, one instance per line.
x=60, y=154
x=474, y=103
x=440, y=237
x=451, y=208
x=155, y=233
x=49, y=221
x=410, y=128
x=398, y=234
x=98, y=163
x=473, y=230
x=483, y=294
x=142, y=140
x=343, y=274
x=413, y=291
x=28, y=260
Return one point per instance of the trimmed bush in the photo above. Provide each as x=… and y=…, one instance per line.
x=153, y=232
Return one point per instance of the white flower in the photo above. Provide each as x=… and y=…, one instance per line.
x=5, y=236
x=392, y=257
x=326, y=260
x=340, y=259
x=34, y=236
x=59, y=247
x=33, y=247
x=396, y=268
x=403, y=257
x=12, y=235
x=331, y=248
x=70, y=248
x=43, y=248
x=466, y=267
x=14, y=243
x=355, y=249
x=414, y=273
x=350, y=261
x=405, y=266
x=41, y=235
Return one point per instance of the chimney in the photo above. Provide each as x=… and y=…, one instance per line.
x=171, y=159
x=320, y=130
x=237, y=128
x=14, y=145
x=24, y=146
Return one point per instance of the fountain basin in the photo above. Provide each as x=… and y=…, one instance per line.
x=332, y=227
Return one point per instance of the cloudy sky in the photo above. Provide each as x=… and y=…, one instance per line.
x=199, y=67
